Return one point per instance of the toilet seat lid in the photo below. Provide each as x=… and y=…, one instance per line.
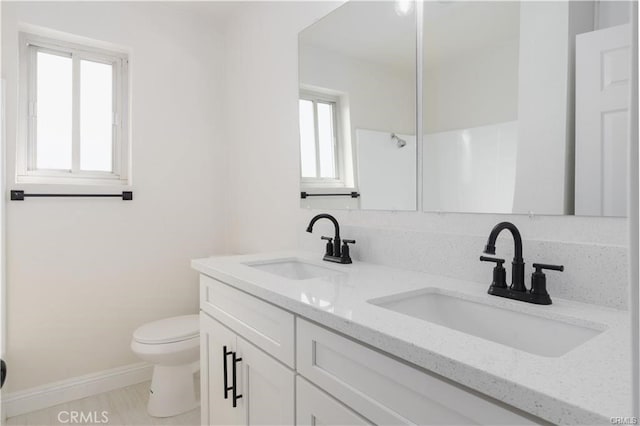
x=168, y=330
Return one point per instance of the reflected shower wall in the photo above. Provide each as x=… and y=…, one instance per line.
x=471, y=170
x=387, y=170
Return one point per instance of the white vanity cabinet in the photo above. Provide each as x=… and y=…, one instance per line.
x=315, y=407
x=266, y=326
x=240, y=330
x=292, y=371
x=215, y=341
x=388, y=391
x=263, y=388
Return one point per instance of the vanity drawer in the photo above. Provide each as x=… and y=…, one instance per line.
x=315, y=407
x=385, y=390
x=266, y=326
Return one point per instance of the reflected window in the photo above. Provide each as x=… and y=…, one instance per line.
x=319, y=137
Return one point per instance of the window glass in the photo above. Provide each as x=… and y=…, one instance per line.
x=307, y=139
x=53, y=111
x=96, y=116
x=326, y=141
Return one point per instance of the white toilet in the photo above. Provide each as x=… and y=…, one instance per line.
x=172, y=345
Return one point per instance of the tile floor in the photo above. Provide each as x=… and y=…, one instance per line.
x=124, y=407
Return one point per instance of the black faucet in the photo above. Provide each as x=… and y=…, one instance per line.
x=333, y=253
x=517, y=266
x=517, y=290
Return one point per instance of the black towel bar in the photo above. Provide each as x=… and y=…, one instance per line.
x=19, y=195
x=354, y=194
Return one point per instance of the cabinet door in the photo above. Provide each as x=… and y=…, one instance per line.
x=267, y=388
x=214, y=339
x=387, y=391
x=314, y=407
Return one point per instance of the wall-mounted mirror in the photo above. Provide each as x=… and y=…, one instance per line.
x=524, y=107
x=357, y=73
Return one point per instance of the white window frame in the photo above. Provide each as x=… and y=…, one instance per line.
x=338, y=149
x=26, y=171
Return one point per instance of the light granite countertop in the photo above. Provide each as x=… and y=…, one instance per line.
x=588, y=385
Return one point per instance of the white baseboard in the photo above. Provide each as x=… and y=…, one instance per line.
x=51, y=394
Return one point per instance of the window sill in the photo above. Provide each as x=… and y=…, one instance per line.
x=339, y=190
x=50, y=182
x=326, y=185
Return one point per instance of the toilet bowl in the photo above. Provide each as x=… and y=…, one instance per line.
x=172, y=345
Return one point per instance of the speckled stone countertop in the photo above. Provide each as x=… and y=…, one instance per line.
x=588, y=385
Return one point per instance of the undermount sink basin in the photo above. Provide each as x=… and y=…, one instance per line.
x=534, y=334
x=293, y=269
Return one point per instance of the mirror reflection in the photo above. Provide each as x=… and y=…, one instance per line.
x=357, y=108
x=524, y=107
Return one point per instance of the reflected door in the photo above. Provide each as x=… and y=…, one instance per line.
x=602, y=114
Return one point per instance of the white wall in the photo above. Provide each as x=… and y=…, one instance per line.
x=3, y=266
x=543, y=87
x=477, y=88
x=545, y=167
x=610, y=13
x=261, y=120
x=269, y=219
x=83, y=274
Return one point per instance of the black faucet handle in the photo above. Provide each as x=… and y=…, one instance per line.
x=495, y=260
x=329, y=249
x=499, y=273
x=540, y=266
x=345, y=256
x=538, y=291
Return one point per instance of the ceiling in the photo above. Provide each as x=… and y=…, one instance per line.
x=218, y=13
x=370, y=31
x=373, y=31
